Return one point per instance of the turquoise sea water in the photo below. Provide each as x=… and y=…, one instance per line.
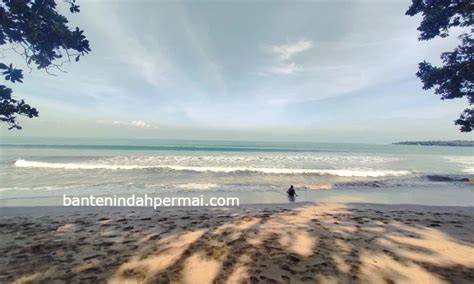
x=32, y=168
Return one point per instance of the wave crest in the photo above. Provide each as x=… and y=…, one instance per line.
x=334, y=172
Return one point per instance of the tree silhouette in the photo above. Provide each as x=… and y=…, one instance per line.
x=37, y=32
x=455, y=78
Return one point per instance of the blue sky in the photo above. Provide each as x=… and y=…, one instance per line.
x=332, y=71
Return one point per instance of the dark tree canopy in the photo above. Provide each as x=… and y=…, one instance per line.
x=455, y=78
x=36, y=31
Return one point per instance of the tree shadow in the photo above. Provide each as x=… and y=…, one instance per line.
x=350, y=243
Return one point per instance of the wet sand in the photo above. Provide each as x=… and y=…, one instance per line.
x=297, y=243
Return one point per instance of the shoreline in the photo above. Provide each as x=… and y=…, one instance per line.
x=288, y=205
x=278, y=243
x=451, y=195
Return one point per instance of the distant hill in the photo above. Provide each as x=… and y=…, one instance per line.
x=456, y=143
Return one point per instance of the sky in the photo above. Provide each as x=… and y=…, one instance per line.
x=323, y=71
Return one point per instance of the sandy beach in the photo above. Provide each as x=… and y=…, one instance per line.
x=291, y=243
x=211, y=142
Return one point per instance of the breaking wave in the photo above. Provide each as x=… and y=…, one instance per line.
x=217, y=169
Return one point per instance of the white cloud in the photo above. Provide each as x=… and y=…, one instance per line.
x=287, y=51
x=139, y=124
x=287, y=69
x=283, y=54
x=135, y=123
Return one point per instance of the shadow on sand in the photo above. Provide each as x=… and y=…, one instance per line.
x=352, y=243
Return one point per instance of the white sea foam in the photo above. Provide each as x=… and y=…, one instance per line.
x=251, y=159
x=217, y=169
x=74, y=166
x=466, y=161
x=198, y=186
x=468, y=170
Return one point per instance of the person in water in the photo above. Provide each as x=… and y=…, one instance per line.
x=291, y=193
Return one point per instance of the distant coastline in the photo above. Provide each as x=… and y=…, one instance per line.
x=455, y=143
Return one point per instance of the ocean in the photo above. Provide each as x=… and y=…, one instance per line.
x=36, y=171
